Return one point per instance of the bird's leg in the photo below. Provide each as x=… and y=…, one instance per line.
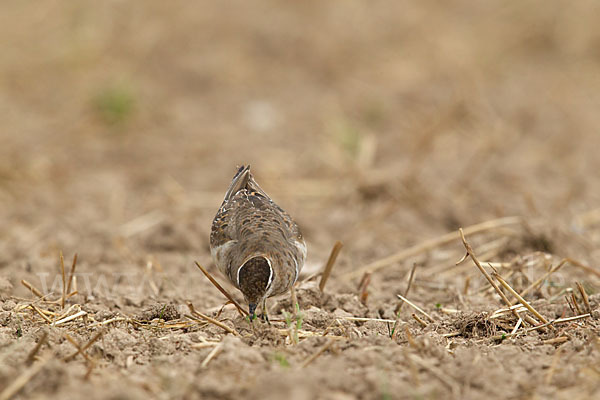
x=264, y=316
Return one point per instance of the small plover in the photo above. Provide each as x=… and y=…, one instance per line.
x=254, y=243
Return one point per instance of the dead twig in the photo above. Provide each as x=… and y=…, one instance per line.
x=419, y=320
x=32, y=288
x=34, y=351
x=18, y=384
x=64, y=281
x=517, y=326
x=429, y=317
x=410, y=339
x=411, y=278
x=408, y=286
x=535, y=284
x=535, y=328
x=584, y=267
x=432, y=243
x=518, y=296
x=41, y=314
x=365, y=319
x=363, y=293
x=109, y=321
x=314, y=356
x=465, y=290
x=218, y=286
x=556, y=340
x=90, y=342
x=335, y=251
x=568, y=298
x=70, y=318
x=487, y=252
x=71, y=274
x=141, y=223
x=584, y=297
x=213, y=353
x=575, y=303
x=471, y=253
x=79, y=349
x=211, y=320
x=204, y=345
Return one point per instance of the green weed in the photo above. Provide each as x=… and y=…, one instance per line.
x=114, y=105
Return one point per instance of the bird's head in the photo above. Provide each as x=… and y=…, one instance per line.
x=255, y=277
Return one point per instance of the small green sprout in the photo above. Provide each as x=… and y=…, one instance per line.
x=162, y=311
x=281, y=359
x=296, y=325
x=114, y=105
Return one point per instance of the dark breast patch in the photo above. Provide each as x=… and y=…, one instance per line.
x=254, y=278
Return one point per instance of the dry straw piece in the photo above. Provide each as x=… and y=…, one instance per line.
x=584, y=296
x=519, y=297
x=321, y=350
x=221, y=289
x=335, y=251
x=556, y=340
x=41, y=314
x=432, y=243
x=64, y=281
x=32, y=288
x=429, y=317
x=535, y=328
x=16, y=385
x=72, y=273
x=363, y=293
x=419, y=320
x=86, y=346
x=365, y=319
x=80, y=349
x=36, y=349
x=211, y=320
x=70, y=318
x=471, y=253
x=535, y=284
x=213, y=353
x=408, y=286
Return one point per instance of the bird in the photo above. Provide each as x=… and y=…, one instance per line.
x=255, y=244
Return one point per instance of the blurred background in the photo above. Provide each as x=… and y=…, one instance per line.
x=382, y=124
x=379, y=123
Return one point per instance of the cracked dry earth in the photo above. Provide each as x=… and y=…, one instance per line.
x=384, y=125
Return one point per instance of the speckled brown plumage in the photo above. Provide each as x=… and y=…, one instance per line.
x=252, y=236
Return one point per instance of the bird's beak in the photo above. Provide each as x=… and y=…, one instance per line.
x=252, y=309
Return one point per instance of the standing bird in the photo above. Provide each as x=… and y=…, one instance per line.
x=254, y=243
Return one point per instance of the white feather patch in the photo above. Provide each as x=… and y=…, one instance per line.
x=218, y=255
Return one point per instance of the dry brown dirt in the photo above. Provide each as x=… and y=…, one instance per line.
x=381, y=124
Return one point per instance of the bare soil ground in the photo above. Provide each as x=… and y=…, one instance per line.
x=385, y=125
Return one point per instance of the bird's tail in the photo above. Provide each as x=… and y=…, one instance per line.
x=239, y=181
x=243, y=179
